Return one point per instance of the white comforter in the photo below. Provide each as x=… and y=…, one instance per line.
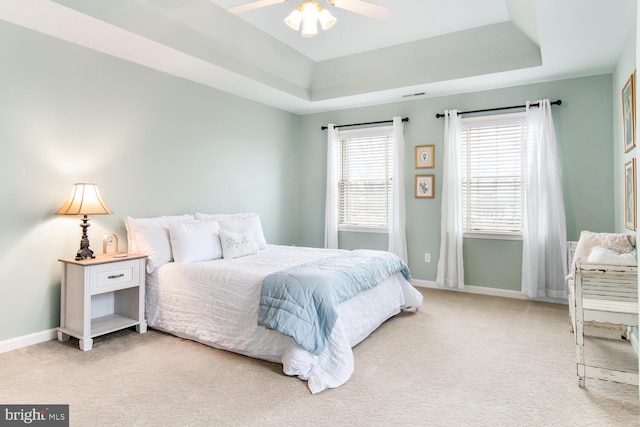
x=216, y=303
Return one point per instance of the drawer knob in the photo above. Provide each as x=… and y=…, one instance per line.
x=116, y=276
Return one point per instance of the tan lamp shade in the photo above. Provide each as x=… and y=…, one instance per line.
x=84, y=200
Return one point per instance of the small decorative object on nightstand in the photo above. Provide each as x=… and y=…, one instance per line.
x=101, y=295
x=108, y=240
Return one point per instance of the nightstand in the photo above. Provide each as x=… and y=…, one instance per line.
x=101, y=295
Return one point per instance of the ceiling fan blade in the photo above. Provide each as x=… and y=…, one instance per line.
x=362, y=8
x=253, y=5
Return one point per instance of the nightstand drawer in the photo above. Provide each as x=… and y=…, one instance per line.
x=110, y=277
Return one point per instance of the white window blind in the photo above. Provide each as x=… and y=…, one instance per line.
x=365, y=178
x=491, y=174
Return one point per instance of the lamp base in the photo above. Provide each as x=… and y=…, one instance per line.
x=84, y=252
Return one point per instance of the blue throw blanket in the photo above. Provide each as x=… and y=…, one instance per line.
x=302, y=301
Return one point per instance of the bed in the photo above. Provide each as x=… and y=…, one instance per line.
x=195, y=291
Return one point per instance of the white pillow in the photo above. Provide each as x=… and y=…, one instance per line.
x=244, y=223
x=193, y=241
x=150, y=236
x=237, y=243
x=153, y=240
x=131, y=224
x=603, y=255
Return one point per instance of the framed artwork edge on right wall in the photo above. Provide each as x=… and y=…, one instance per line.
x=629, y=113
x=630, y=220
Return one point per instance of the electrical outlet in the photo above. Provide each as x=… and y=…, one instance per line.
x=427, y=257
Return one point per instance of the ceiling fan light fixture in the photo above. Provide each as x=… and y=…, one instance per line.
x=309, y=28
x=309, y=13
x=310, y=10
x=326, y=19
x=294, y=19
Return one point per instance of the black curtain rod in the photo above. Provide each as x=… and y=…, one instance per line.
x=383, y=122
x=558, y=102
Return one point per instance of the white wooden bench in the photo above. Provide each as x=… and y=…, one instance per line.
x=602, y=293
x=602, y=330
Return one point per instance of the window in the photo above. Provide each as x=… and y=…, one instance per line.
x=491, y=165
x=365, y=179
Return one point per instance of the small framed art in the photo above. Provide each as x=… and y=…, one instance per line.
x=630, y=194
x=424, y=186
x=629, y=113
x=425, y=156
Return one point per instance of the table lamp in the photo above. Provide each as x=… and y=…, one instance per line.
x=84, y=200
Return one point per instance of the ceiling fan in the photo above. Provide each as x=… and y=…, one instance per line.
x=309, y=12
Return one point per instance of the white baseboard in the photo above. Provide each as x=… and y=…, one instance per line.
x=27, y=340
x=482, y=290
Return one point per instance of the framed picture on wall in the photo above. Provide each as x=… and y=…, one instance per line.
x=425, y=156
x=424, y=186
x=629, y=113
x=630, y=194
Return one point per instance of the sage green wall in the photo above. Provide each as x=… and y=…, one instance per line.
x=155, y=144
x=625, y=67
x=583, y=127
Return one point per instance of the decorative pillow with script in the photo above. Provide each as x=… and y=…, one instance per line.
x=244, y=223
x=237, y=243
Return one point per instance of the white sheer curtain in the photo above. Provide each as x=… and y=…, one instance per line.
x=331, y=203
x=544, y=225
x=397, y=233
x=450, y=264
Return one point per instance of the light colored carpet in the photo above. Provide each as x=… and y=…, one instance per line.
x=462, y=360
